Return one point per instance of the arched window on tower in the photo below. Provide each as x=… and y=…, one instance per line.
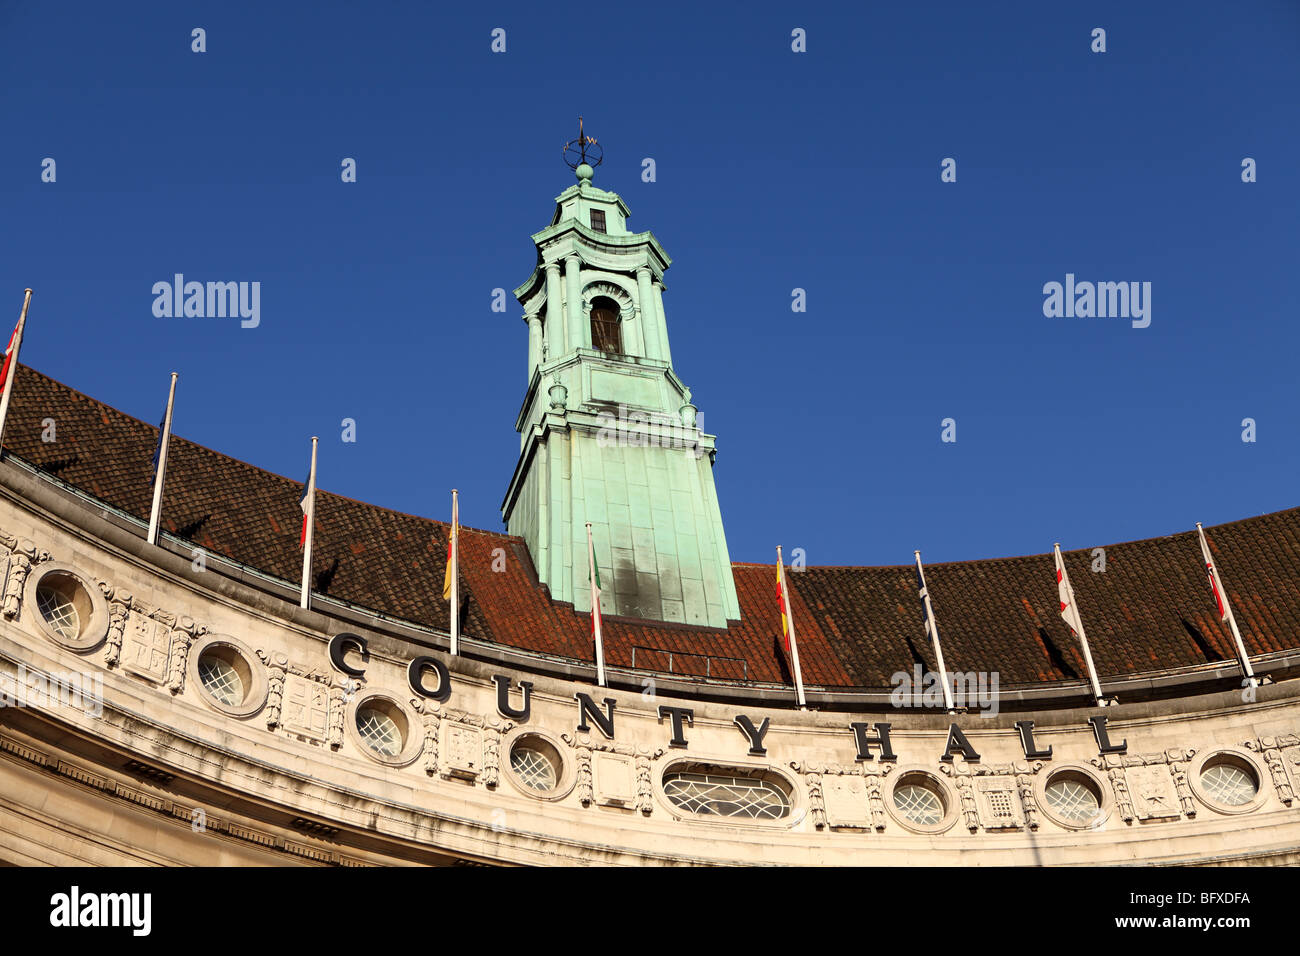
x=606, y=334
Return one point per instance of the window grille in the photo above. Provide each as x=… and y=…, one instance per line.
x=726, y=796
x=59, y=612
x=380, y=732
x=1229, y=784
x=1072, y=800
x=221, y=680
x=598, y=220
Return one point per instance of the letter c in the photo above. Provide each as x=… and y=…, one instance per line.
x=339, y=645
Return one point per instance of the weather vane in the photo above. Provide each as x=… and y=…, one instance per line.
x=583, y=151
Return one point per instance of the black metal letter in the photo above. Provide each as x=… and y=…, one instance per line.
x=587, y=708
x=339, y=645
x=677, y=714
x=503, y=697
x=957, y=741
x=415, y=673
x=1103, y=739
x=1026, y=728
x=865, y=741
x=755, y=734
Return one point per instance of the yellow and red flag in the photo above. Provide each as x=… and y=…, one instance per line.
x=780, y=603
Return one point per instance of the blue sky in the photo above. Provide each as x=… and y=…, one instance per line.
x=775, y=170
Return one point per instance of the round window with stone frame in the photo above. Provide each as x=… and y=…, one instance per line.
x=920, y=801
x=65, y=607
x=227, y=676
x=1228, y=781
x=385, y=730
x=530, y=759
x=1073, y=798
x=535, y=763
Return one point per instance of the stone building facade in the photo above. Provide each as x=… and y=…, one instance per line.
x=173, y=704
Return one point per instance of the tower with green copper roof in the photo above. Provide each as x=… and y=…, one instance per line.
x=607, y=431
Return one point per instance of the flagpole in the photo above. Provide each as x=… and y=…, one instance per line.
x=1216, y=581
x=595, y=610
x=794, y=644
x=932, y=625
x=1083, y=638
x=164, y=443
x=13, y=364
x=305, y=600
x=455, y=572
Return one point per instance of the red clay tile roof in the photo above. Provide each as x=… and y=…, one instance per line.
x=1150, y=610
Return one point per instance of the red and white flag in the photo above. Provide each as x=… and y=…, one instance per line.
x=10, y=366
x=1069, y=610
x=1216, y=585
x=10, y=351
x=308, y=503
x=1070, y=614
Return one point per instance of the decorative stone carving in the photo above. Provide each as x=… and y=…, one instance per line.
x=1178, y=764
x=619, y=766
x=147, y=642
x=119, y=607
x=306, y=709
x=874, y=775
x=182, y=639
x=277, y=664
x=1146, y=786
x=613, y=779
x=430, y=712
x=960, y=771
x=462, y=744
x=23, y=556
x=492, y=750
x=1153, y=793
x=1270, y=748
x=844, y=797
x=1024, y=772
x=582, y=744
x=337, y=711
x=644, y=791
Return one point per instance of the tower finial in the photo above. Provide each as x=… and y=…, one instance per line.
x=583, y=154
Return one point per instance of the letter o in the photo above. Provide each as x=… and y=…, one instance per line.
x=414, y=674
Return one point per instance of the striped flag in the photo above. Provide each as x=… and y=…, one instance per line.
x=788, y=639
x=781, y=606
x=308, y=504
x=451, y=577
x=453, y=541
x=305, y=502
x=596, y=634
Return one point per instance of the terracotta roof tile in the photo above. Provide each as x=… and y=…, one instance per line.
x=1150, y=609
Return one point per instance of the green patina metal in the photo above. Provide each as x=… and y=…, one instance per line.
x=611, y=437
